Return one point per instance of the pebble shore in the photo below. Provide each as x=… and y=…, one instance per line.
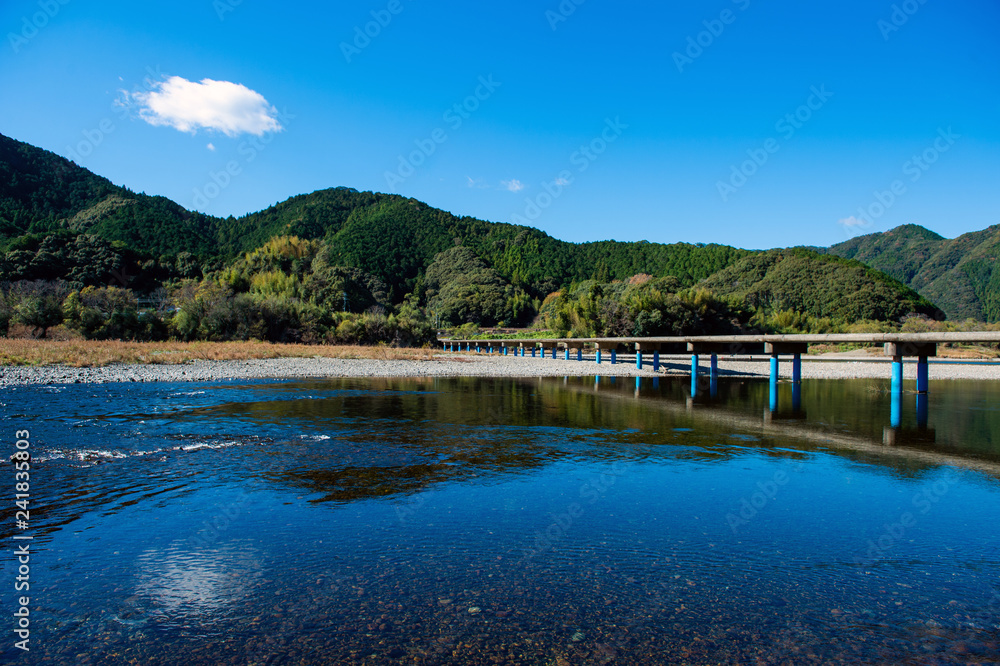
x=455, y=365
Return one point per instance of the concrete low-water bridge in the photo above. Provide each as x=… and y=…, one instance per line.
x=922, y=346
x=896, y=346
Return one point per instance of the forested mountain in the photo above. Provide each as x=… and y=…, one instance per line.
x=287, y=271
x=960, y=275
x=392, y=237
x=819, y=285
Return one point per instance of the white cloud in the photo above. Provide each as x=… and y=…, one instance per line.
x=211, y=146
x=477, y=183
x=852, y=222
x=514, y=185
x=230, y=108
x=562, y=182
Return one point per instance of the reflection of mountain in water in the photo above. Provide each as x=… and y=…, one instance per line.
x=404, y=436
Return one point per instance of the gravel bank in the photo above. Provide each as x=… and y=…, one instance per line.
x=452, y=365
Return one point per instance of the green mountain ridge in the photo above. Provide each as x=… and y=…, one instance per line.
x=56, y=215
x=960, y=275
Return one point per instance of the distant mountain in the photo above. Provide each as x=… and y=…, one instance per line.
x=57, y=219
x=805, y=281
x=960, y=275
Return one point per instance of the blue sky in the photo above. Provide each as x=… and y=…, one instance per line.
x=733, y=121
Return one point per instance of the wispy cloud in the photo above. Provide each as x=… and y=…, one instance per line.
x=514, y=185
x=211, y=146
x=222, y=106
x=853, y=222
x=477, y=183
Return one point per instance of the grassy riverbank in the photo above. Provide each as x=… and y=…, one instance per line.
x=94, y=353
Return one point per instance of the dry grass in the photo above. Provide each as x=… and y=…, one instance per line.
x=966, y=351
x=89, y=353
x=960, y=351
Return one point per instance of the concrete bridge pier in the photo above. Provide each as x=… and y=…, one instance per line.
x=653, y=347
x=922, y=350
x=796, y=349
x=606, y=346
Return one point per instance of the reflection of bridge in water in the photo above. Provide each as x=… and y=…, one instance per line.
x=909, y=445
x=896, y=346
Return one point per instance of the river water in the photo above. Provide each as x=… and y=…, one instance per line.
x=487, y=521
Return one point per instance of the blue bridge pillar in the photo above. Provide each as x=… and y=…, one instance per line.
x=922, y=410
x=772, y=395
x=922, y=374
x=774, y=382
x=897, y=374
x=895, y=409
